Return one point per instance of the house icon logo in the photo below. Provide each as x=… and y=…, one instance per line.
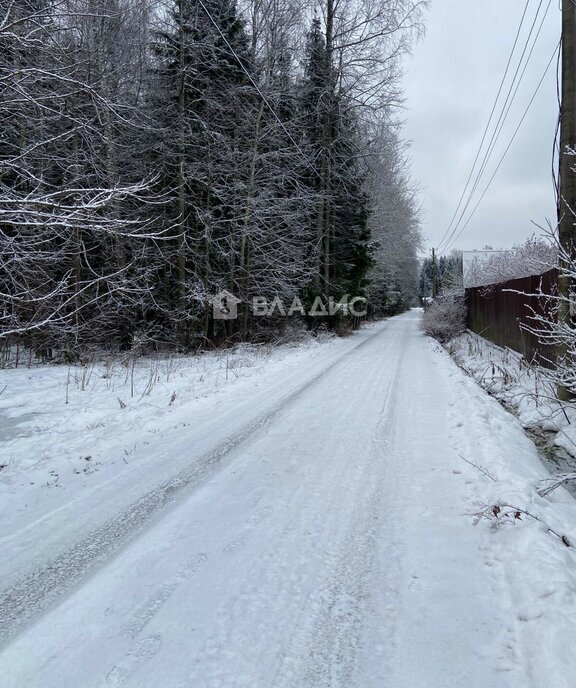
x=224, y=306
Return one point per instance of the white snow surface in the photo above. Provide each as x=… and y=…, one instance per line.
x=308, y=526
x=528, y=389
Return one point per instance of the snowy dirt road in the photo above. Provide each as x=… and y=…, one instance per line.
x=322, y=544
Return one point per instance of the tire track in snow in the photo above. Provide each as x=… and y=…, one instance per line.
x=336, y=635
x=40, y=588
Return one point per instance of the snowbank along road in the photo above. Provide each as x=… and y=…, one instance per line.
x=318, y=538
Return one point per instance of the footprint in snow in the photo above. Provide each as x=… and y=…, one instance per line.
x=142, y=650
x=258, y=516
x=233, y=546
x=146, y=648
x=117, y=675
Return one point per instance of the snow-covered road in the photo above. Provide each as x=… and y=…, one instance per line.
x=321, y=542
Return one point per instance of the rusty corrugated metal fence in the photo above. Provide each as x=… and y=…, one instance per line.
x=496, y=313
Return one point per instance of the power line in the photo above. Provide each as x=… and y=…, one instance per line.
x=502, y=82
x=510, y=98
x=448, y=246
x=505, y=110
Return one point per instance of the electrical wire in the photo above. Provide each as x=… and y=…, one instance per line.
x=486, y=129
x=504, y=113
x=455, y=238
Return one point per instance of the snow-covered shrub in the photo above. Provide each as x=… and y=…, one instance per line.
x=533, y=257
x=445, y=318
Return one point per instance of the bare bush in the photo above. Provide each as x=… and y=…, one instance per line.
x=501, y=514
x=445, y=318
x=554, y=323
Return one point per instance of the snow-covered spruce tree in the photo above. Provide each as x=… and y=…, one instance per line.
x=316, y=94
x=202, y=100
x=337, y=176
x=350, y=247
x=448, y=274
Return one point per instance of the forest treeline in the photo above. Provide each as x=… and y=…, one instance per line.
x=156, y=152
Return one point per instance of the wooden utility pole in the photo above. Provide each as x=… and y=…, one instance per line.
x=567, y=204
x=434, y=275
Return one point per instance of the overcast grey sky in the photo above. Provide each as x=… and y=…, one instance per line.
x=451, y=83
